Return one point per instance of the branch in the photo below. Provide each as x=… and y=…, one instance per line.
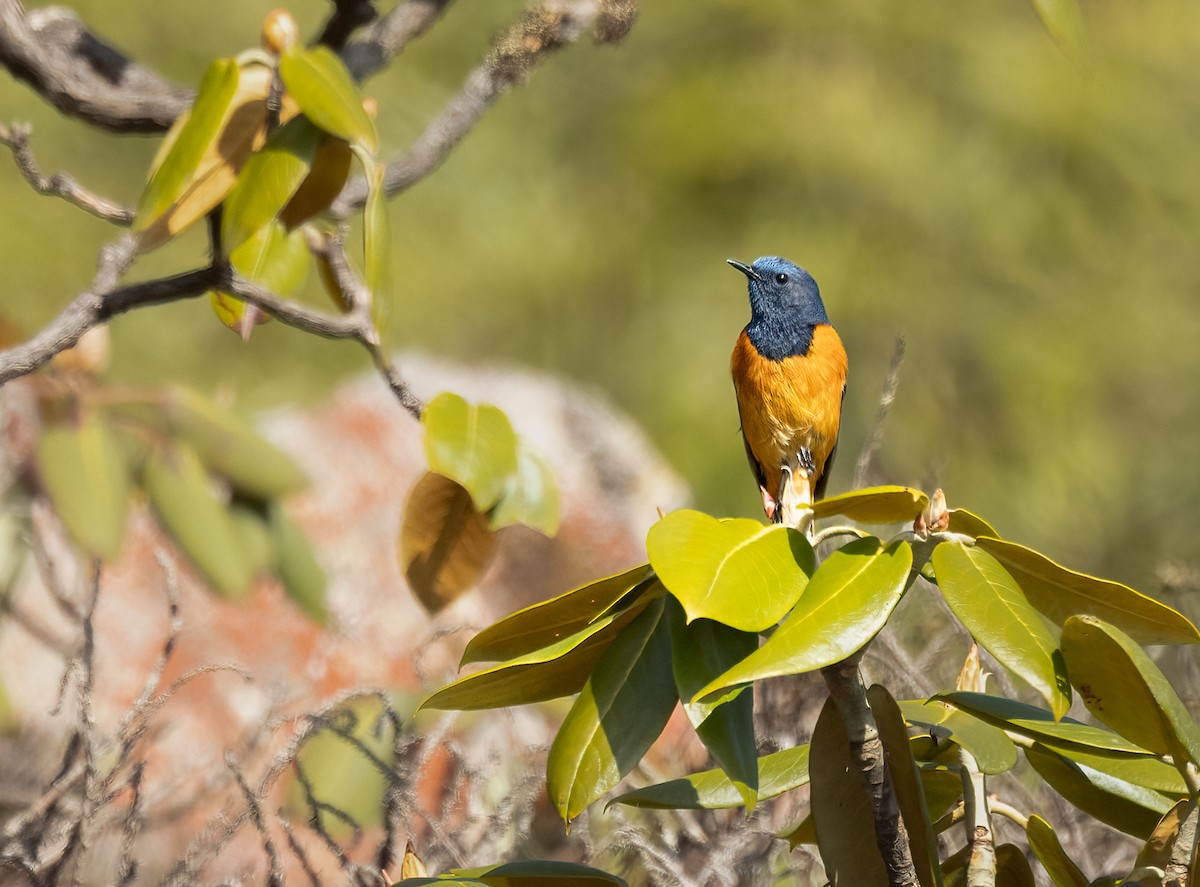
x=16, y=138
x=512, y=60
x=388, y=36
x=348, y=16
x=981, y=862
x=81, y=75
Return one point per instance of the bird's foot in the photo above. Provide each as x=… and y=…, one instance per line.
x=807, y=465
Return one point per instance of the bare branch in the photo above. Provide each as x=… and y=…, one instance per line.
x=348, y=16
x=389, y=35
x=275, y=872
x=81, y=75
x=16, y=138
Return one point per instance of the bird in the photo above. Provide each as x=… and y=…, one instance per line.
x=789, y=374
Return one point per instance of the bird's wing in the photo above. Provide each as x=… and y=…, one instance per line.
x=759, y=474
x=823, y=474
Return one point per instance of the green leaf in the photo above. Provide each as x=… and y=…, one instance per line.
x=1124, y=689
x=841, y=807
x=445, y=543
x=1061, y=593
x=737, y=571
x=181, y=492
x=559, y=669
x=548, y=622
x=199, y=131
x=1064, y=23
x=621, y=710
x=250, y=529
x=874, y=505
x=778, y=772
x=1012, y=868
x=268, y=180
x=969, y=524
x=1130, y=808
x=1050, y=853
x=1036, y=723
x=531, y=497
x=535, y=872
x=302, y=576
x=993, y=751
x=906, y=783
x=377, y=252
x=319, y=82
x=847, y=601
x=699, y=652
x=85, y=476
x=272, y=258
x=1152, y=773
x=988, y=602
x=472, y=444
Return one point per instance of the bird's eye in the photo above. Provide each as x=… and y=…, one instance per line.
x=781, y=278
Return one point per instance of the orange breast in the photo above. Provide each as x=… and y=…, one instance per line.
x=787, y=404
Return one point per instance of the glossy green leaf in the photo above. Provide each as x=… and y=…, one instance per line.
x=620, y=711
x=377, y=241
x=1036, y=723
x=778, y=772
x=1061, y=593
x=85, y=475
x=181, y=492
x=1152, y=773
x=472, y=444
x=1048, y=849
x=528, y=873
x=1130, y=808
x=547, y=622
x=228, y=443
x=1064, y=23
x=700, y=651
x=446, y=545
x=1124, y=689
x=1012, y=868
x=841, y=807
x=319, y=82
x=531, y=497
x=199, y=131
x=737, y=572
x=969, y=524
x=268, y=180
x=906, y=784
x=874, y=505
x=272, y=258
x=845, y=604
x=993, y=751
x=559, y=669
x=299, y=570
x=988, y=602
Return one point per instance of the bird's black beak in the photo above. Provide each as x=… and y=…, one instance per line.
x=745, y=269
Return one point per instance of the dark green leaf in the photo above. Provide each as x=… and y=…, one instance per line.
x=536, y=872
x=874, y=505
x=1061, y=593
x=993, y=751
x=845, y=604
x=1124, y=689
x=85, y=475
x=778, y=772
x=737, y=572
x=548, y=622
x=988, y=602
x=1151, y=773
x=1012, y=868
x=621, y=710
x=1050, y=853
x=472, y=444
x=319, y=82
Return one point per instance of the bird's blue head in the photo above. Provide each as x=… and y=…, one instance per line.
x=785, y=306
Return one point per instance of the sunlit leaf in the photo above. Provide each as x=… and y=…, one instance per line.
x=547, y=622
x=874, y=505
x=559, y=669
x=1152, y=773
x=969, y=524
x=737, y=572
x=445, y=544
x=531, y=496
x=993, y=751
x=1064, y=23
x=989, y=603
x=86, y=477
x=1048, y=849
x=181, y=492
x=472, y=444
x=778, y=772
x=620, y=711
x=1061, y=593
x=1124, y=689
x=841, y=807
x=1157, y=849
x=319, y=82
x=847, y=601
x=301, y=574
x=272, y=258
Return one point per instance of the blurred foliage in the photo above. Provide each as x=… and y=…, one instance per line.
x=945, y=173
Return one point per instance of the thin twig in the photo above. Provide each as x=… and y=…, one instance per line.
x=16, y=138
x=347, y=17
x=388, y=36
x=875, y=437
x=275, y=870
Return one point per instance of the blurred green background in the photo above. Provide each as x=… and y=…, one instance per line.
x=943, y=170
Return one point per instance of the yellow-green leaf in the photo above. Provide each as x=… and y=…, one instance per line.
x=1061, y=593
x=531, y=496
x=1064, y=23
x=993, y=751
x=323, y=88
x=874, y=505
x=969, y=524
x=1050, y=853
x=472, y=444
x=526, y=873
x=86, y=477
x=301, y=574
x=737, y=572
x=377, y=251
x=272, y=258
